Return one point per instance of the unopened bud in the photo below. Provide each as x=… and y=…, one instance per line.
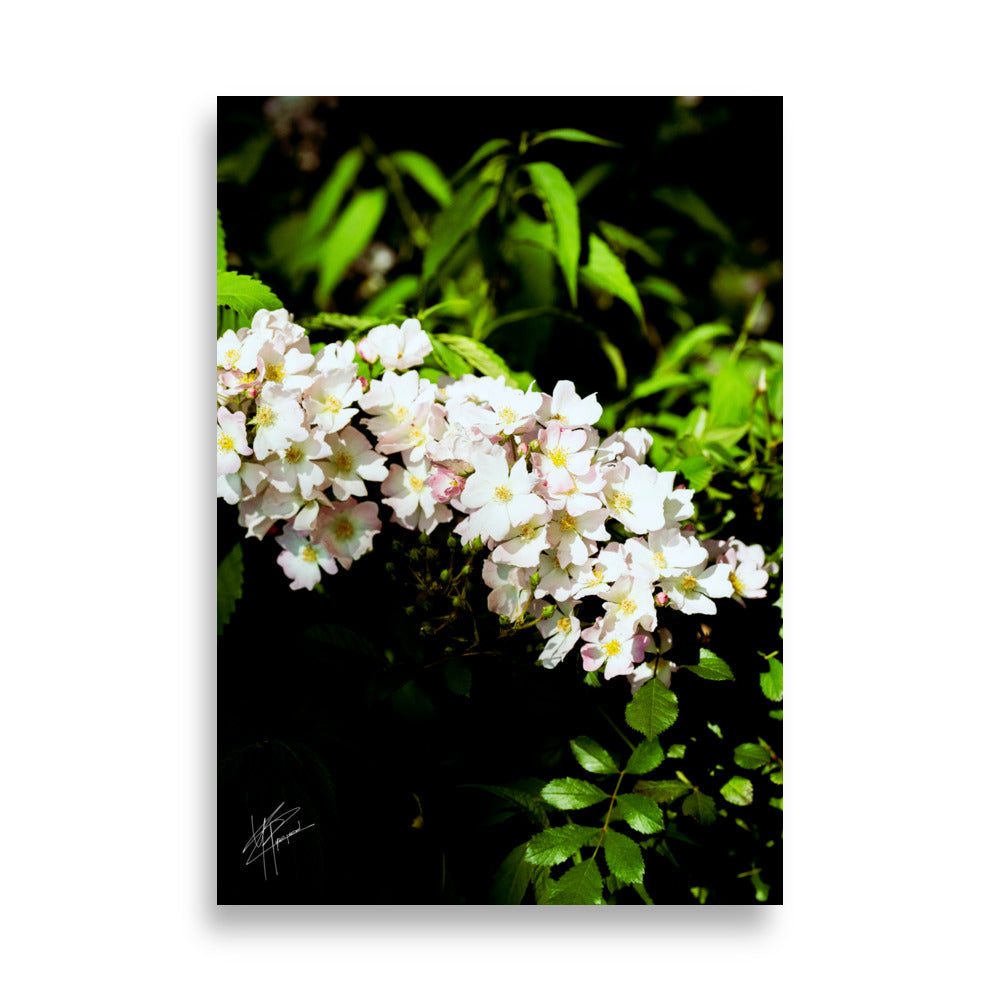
x=504, y=620
x=548, y=612
x=522, y=449
x=661, y=598
x=762, y=381
x=535, y=577
x=445, y=576
x=364, y=383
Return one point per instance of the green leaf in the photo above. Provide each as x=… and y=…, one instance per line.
x=324, y=206
x=591, y=756
x=454, y=364
x=777, y=803
x=400, y=290
x=604, y=270
x=340, y=321
x=662, y=289
x=426, y=173
x=614, y=355
x=220, y=246
x=698, y=472
x=244, y=163
x=571, y=135
x=622, y=238
x=561, y=210
x=711, y=667
x=675, y=750
x=777, y=776
x=486, y=149
x=244, y=295
x=555, y=845
x=481, y=357
x=525, y=229
x=751, y=755
x=700, y=806
x=772, y=683
x=453, y=223
x=351, y=233
x=458, y=677
x=762, y=889
x=685, y=201
x=526, y=800
x=730, y=398
x=343, y=637
x=652, y=710
x=623, y=857
x=641, y=813
x=229, y=585
x=580, y=886
x=645, y=757
x=738, y=791
x=687, y=343
x=662, y=791
x=591, y=178
x=572, y=793
x=511, y=880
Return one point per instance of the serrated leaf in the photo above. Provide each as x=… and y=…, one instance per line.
x=623, y=857
x=580, y=886
x=700, y=806
x=645, y=757
x=652, y=710
x=751, y=755
x=339, y=321
x=350, y=235
x=229, y=585
x=571, y=135
x=604, y=270
x=559, y=199
x=572, y=793
x=529, y=802
x=777, y=776
x=512, y=878
x=662, y=791
x=220, y=245
x=324, y=206
x=426, y=173
x=555, y=845
x=772, y=682
x=453, y=223
x=641, y=813
x=481, y=357
x=591, y=756
x=711, y=667
x=244, y=295
x=738, y=791
x=452, y=362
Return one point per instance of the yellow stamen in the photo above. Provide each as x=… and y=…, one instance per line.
x=627, y=607
x=558, y=456
x=503, y=494
x=308, y=554
x=344, y=529
x=274, y=372
x=612, y=648
x=564, y=624
x=226, y=443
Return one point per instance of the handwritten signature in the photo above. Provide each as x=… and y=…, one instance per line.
x=264, y=843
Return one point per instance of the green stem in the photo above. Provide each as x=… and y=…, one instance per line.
x=607, y=818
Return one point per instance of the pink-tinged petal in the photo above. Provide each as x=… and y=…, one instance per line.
x=593, y=657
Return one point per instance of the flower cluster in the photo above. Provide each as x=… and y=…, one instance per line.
x=524, y=474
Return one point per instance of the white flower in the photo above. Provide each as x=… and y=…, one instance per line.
x=352, y=459
x=629, y=603
x=500, y=498
x=574, y=538
x=231, y=436
x=510, y=588
x=302, y=558
x=279, y=420
x=562, y=631
x=296, y=466
x=396, y=347
x=347, y=529
x=328, y=399
x=691, y=592
x=566, y=406
x=524, y=545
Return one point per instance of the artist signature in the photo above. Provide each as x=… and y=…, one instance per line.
x=264, y=842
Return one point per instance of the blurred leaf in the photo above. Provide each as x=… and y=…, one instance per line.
x=751, y=755
x=481, y=357
x=604, y=270
x=229, y=585
x=738, y=791
x=641, y=813
x=662, y=289
x=730, y=397
x=589, y=179
x=762, y=889
x=400, y=290
x=698, y=473
x=530, y=802
x=486, y=149
x=244, y=295
x=700, y=806
x=651, y=710
x=662, y=791
x=777, y=803
x=454, y=364
x=623, y=857
x=572, y=793
x=646, y=756
x=511, y=880
x=685, y=344
x=451, y=224
x=777, y=776
x=675, y=750
x=622, y=238
x=555, y=845
x=591, y=756
x=342, y=637
x=220, y=245
x=351, y=234
x=580, y=886
x=571, y=135
x=244, y=163
x=324, y=206
x=412, y=702
x=559, y=200
x=340, y=321
x=458, y=677
x=710, y=666
x=685, y=201
x=615, y=357
x=657, y=383
x=426, y=173
x=772, y=682
x=525, y=229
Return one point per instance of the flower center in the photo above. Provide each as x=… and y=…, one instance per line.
x=622, y=501
x=503, y=494
x=401, y=413
x=344, y=529
x=332, y=405
x=225, y=443
x=265, y=416
x=274, y=371
x=558, y=456
x=612, y=648
x=736, y=582
x=507, y=415
x=232, y=356
x=293, y=455
x=567, y=522
x=658, y=561
x=308, y=554
x=627, y=607
x=564, y=624
x=343, y=461
x=416, y=484
x=688, y=582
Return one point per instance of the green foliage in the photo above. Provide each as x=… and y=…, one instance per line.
x=738, y=791
x=555, y=845
x=591, y=756
x=662, y=791
x=685, y=201
x=710, y=666
x=580, y=886
x=623, y=857
x=426, y=173
x=512, y=878
x=480, y=357
x=751, y=755
x=351, y=233
x=571, y=135
x=329, y=197
x=646, y=756
x=652, y=710
x=220, y=249
x=229, y=585
x=244, y=295
x=450, y=226
x=640, y=812
x=700, y=806
x=771, y=682
x=561, y=210
x=572, y=793
x=606, y=272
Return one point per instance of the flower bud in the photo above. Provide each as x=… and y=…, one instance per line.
x=367, y=350
x=444, y=484
x=364, y=382
x=661, y=598
x=548, y=612
x=445, y=576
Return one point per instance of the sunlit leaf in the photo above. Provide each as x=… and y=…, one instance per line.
x=477, y=354
x=580, y=886
x=426, y=173
x=555, y=845
x=738, y=791
x=559, y=200
x=646, y=756
x=623, y=857
x=641, y=813
x=751, y=755
x=244, y=295
x=572, y=793
x=772, y=682
x=710, y=666
x=591, y=756
x=327, y=200
x=605, y=271
x=662, y=791
x=350, y=235
x=453, y=223
x=652, y=709
x=571, y=135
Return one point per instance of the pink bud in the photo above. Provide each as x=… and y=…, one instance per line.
x=444, y=484
x=522, y=449
x=367, y=350
x=661, y=598
x=364, y=382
